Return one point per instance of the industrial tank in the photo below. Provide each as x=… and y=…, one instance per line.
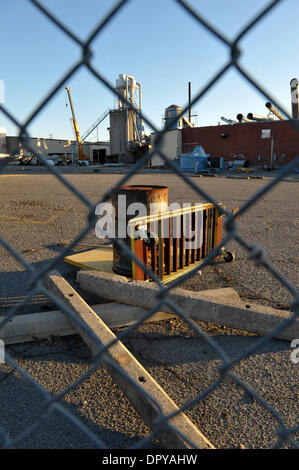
x=172, y=112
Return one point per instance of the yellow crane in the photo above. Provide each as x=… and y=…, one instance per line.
x=81, y=155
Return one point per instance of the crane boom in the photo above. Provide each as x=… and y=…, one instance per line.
x=76, y=129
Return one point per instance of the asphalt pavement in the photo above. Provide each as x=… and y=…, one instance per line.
x=40, y=216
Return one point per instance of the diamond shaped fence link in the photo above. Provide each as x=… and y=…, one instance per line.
x=255, y=253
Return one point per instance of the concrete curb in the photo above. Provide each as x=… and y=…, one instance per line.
x=43, y=325
x=250, y=317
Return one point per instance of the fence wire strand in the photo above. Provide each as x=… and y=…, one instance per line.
x=255, y=253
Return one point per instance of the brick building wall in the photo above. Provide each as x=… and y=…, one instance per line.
x=246, y=139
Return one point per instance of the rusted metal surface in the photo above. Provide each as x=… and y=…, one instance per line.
x=184, y=237
x=154, y=199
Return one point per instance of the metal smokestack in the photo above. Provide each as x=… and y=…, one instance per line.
x=295, y=98
x=274, y=111
x=241, y=118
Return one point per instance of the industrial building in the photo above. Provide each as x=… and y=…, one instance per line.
x=270, y=140
x=96, y=152
x=128, y=140
x=260, y=143
x=172, y=139
x=266, y=141
x=171, y=146
x=3, y=149
x=273, y=143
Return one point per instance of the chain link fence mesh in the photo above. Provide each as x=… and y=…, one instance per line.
x=36, y=277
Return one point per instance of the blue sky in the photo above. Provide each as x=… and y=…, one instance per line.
x=154, y=40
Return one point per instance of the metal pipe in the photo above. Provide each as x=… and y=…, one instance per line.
x=295, y=98
x=228, y=121
x=257, y=117
x=241, y=118
x=140, y=120
x=128, y=111
x=139, y=85
x=274, y=111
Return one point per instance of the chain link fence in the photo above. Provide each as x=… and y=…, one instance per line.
x=36, y=277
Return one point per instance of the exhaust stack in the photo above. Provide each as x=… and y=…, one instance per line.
x=295, y=98
x=241, y=118
x=274, y=111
